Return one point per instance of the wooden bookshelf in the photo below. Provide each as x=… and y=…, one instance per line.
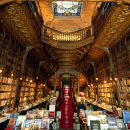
x=39, y=91
x=92, y=92
x=7, y=91
x=106, y=92
x=27, y=92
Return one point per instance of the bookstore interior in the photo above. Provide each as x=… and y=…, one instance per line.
x=64, y=64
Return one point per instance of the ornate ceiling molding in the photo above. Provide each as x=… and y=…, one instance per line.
x=115, y=26
x=18, y=20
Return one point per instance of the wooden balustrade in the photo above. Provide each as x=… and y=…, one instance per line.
x=71, y=36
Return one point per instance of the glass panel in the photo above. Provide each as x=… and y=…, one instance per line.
x=66, y=8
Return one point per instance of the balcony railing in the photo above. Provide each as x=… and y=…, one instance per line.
x=72, y=36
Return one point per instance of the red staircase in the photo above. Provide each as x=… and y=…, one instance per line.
x=66, y=107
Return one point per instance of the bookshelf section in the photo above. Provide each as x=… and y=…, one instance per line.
x=106, y=91
x=121, y=62
x=7, y=92
x=92, y=92
x=113, y=83
x=27, y=92
x=39, y=91
x=124, y=95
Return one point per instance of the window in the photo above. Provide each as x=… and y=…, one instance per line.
x=66, y=8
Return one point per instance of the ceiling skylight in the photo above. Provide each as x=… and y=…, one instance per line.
x=66, y=8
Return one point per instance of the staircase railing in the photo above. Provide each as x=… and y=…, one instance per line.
x=71, y=36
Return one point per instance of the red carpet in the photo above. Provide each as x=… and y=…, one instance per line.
x=66, y=108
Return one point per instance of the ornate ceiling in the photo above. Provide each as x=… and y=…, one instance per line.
x=69, y=24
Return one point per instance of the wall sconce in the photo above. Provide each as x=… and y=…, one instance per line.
x=37, y=77
x=105, y=81
x=41, y=84
x=110, y=79
x=96, y=78
x=27, y=80
x=21, y=78
x=12, y=74
x=115, y=79
x=91, y=84
x=30, y=81
x=44, y=85
x=1, y=70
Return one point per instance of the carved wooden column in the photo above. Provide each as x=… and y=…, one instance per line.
x=78, y=84
x=55, y=84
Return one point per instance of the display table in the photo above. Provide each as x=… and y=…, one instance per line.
x=4, y=120
x=100, y=106
x=40, y=105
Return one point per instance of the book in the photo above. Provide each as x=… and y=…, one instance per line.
x=51, y=107
x=14, y=115
x=126, y=116
x=20, y=120
x=103, y=119
x=39, y=122
x=91, y=118
x=52, y=114
x=45, y=113
x=95, y=125
x=45, y=123
x=104, y=126
x=111, y=121
x=40, y=114
x=120, y=124
x=28, y=123
x=58, y=114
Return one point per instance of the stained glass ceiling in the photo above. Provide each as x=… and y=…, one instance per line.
x=66, y=8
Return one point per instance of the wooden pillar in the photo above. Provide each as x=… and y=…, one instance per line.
x=78, y=84
x=55, y=84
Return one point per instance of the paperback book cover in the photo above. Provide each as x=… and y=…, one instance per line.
x=40, y=114
x=120, y=124
x=91, y=118
x=45, y=123
x=52, y=114
x=126, y=116
x=95, y=125
x=45, y=113
x=14, y=115
x=111, y=121
x=20, y=121
x=28, y=123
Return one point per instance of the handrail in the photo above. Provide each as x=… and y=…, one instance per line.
x=67, y=36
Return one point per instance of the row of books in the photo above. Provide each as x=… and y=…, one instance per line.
x=6, y=102
x=6, y=80
x=7, y=88
x=28, y=84
x=27, y=89
x=27, y=93
x=7, y=95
